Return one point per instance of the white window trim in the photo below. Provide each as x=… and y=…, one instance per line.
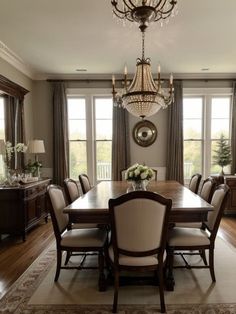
x=89, y=94
x=207, y=94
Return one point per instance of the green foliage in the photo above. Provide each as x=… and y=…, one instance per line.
x=32, y=167
x=222, y=156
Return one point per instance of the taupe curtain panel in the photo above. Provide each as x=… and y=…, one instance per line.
x=60, y=134
x=14, y=127
x=174, y=163
x=120, y=142
x=233, y=131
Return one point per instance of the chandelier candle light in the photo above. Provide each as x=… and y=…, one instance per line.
x=143, y=97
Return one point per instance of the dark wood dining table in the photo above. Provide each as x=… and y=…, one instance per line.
x=93, y=206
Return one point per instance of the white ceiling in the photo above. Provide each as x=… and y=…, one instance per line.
x=56, y=37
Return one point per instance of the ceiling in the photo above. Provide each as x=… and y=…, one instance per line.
x=56, y=37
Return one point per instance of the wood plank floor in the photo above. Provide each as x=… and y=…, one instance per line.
x=16, y=256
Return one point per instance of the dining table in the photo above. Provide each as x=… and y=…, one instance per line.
x=92, y=207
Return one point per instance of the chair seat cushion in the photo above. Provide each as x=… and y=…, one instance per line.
x=135, y=261
x=188, y=237
x=94, y=237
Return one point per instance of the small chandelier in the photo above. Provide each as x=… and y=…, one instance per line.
x=143, y=97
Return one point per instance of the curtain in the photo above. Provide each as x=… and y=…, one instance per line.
x=174, y=161
x=233, y=131
x=14, y=127
x=120, y=142
x=60, y=134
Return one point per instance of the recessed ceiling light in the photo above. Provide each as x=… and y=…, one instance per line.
x=81, y=70
x=205, y=69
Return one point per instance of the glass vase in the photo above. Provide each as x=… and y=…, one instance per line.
x=140, y=185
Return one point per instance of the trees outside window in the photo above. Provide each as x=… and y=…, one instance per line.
x=205, y=118
x=90, y=136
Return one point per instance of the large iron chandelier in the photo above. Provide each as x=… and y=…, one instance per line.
x=143, y=97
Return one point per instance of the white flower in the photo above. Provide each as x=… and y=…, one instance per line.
x=138, y=172
x=20, y=148
x=144, y=175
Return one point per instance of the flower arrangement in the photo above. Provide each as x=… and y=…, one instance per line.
x=18, y=148
x=138, y=172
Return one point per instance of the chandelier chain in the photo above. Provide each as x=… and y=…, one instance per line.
x=143, y=48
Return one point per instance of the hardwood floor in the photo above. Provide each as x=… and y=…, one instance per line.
x=16, y=256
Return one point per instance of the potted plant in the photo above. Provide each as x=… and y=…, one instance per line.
x=222, y=156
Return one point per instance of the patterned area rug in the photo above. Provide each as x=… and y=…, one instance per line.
x=19, y=298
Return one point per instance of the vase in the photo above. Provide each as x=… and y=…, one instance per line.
x=140, y=185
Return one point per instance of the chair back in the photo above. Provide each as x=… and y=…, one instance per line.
x=57, y=204
x=85, y=183
x=219, y=200
x=139, y=223
x=207, y=189
x=71, y=190
x=194, y=182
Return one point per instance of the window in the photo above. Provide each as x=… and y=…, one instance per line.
x=90, y=136
x=205, y=118
x=103, y=121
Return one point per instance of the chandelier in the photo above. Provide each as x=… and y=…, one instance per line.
x=144, y=97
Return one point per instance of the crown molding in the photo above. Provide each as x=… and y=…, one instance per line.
x=8, y=55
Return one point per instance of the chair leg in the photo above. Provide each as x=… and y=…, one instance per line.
x=203, y=256
x=116, y=288
x=102, y=279
x=211, y=264
x=68, y=255
x=59, y=254
x=170, y=278
x=161, y=289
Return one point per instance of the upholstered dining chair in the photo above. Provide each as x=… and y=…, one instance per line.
x=191, y=239
x=206, y=192
x=195, y=182
x=71, y=190
x=72, y=193
x=123, y=171
x=85, y=183
x=139, y=226
x=74, y=241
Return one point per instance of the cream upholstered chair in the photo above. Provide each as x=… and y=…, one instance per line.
x=123, y=171
x=72, y=193
x=206, y=193
x=75, y=240
x=194, y=182
x=71, y=190
x=139, y=226
x=190, y=239
x=85, y=183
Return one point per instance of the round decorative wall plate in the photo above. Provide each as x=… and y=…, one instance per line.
x=144, y=133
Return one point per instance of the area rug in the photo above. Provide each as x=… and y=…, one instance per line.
x=35, y=292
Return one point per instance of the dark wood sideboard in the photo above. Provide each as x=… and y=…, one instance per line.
x=230, y=180
x=22, y=207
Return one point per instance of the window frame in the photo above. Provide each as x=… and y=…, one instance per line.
x=207, y=95
x=89, y=94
